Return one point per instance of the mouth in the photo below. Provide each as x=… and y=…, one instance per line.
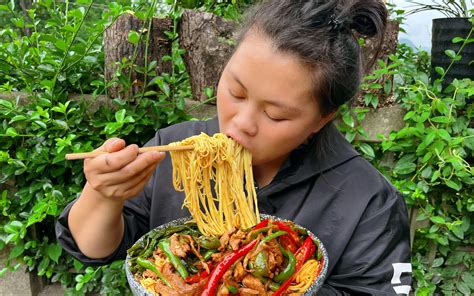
x=237, y=139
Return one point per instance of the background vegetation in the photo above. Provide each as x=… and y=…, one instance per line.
x=53, y=49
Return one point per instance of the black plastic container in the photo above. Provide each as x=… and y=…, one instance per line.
x=443, y=32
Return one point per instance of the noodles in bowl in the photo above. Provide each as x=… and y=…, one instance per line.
x=273, y=258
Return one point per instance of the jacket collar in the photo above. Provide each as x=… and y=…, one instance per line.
x=307, y=161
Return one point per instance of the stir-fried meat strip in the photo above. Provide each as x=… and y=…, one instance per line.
x=225, y=238
x=149, y=274
x=254, y=283
x=274, y=256
x=223, y=291
x=248, y=292
x=180, y=287
x=236, y=239
x=179, y=246
x=239, y=272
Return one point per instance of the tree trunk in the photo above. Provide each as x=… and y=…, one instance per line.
x=370, y=53
x=117, y=47
x=208, y=40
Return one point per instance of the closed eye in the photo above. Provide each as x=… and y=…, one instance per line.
x=276, y=119
x=236, y=96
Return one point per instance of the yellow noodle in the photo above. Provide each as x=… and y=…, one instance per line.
x=220, y=161
x=305, y=277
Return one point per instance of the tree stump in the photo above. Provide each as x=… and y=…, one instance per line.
x=117, y=47
x=209, y=41
x=370, y=53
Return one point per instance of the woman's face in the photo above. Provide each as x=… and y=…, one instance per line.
x=265, y=101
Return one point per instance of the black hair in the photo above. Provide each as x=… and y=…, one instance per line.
x=323, y=35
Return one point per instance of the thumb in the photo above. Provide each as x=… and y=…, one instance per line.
x=113, y=145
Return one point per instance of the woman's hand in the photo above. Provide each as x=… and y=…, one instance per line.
x=122, y=173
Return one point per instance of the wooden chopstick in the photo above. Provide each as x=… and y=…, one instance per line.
x=74, y=156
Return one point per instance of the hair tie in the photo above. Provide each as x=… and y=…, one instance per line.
x=334, y=23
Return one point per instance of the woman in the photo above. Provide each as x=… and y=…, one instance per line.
x=295, y=63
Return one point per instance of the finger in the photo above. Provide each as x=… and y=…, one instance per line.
x=132, y=170
x=130, y=187
x=115, y=161
x=114, y=145
x=134, y=190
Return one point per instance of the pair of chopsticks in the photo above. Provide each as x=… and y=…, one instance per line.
x=74, y=156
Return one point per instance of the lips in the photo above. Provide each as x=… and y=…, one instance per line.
x=237, y=139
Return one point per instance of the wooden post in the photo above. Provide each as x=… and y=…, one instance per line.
x=117, y=47
x=369, y=52
x=208, y=40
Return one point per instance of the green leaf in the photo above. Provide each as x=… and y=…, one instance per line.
x=120, y=115
x=61, y=45
x=133, y=37
x=40, y=124
x=367, y=150
x=18, y=118
x=458, y=39
x=454, y=185
x=440, y=119
x=457, y=231
x=438, y=262
x=463, y=288
x=348, y=119
x=438, y=219
x=468, y=278
x=455, y=258
x=440, y=71
x=54, y=252
x=16, y=251
x=11, y=132
x=450, y=53
x=435, y=176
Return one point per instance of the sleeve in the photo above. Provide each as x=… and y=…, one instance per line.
x=377, y=259
x=136, y=214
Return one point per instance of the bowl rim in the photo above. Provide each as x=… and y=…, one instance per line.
x=138, y=289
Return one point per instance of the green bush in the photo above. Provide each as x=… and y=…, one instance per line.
x=55, y=49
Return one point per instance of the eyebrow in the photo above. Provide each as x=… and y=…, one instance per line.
x=289, y=109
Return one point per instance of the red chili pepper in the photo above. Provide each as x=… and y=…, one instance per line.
x=287, y=243
x=262, y=224
x=284, y=286
x=223, y=266
x=304, y=252
x=199, y=276
x=302, y=255
x=292, y=234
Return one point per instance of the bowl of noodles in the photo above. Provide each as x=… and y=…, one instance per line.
x=274, y=257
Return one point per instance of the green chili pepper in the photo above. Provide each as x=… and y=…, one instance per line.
x=208, y=242
x=208, y=254
x=253, y=234
x=164, y=245
x=273, y=286
x=272, y=236
x=149, y=265
x=289, y=269
x=232, y=289
x=260, y=265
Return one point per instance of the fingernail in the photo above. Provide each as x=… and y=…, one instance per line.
x=114, y=142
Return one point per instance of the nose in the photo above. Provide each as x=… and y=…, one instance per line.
x=246, y=121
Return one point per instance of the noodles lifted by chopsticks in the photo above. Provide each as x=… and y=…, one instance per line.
x=218, y=159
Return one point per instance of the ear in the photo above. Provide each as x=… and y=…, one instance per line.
x=323, y=121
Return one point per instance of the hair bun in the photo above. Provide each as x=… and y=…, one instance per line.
x=363, y=25
x=367, y=17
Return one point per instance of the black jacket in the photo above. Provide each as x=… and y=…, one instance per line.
x=358, y=215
